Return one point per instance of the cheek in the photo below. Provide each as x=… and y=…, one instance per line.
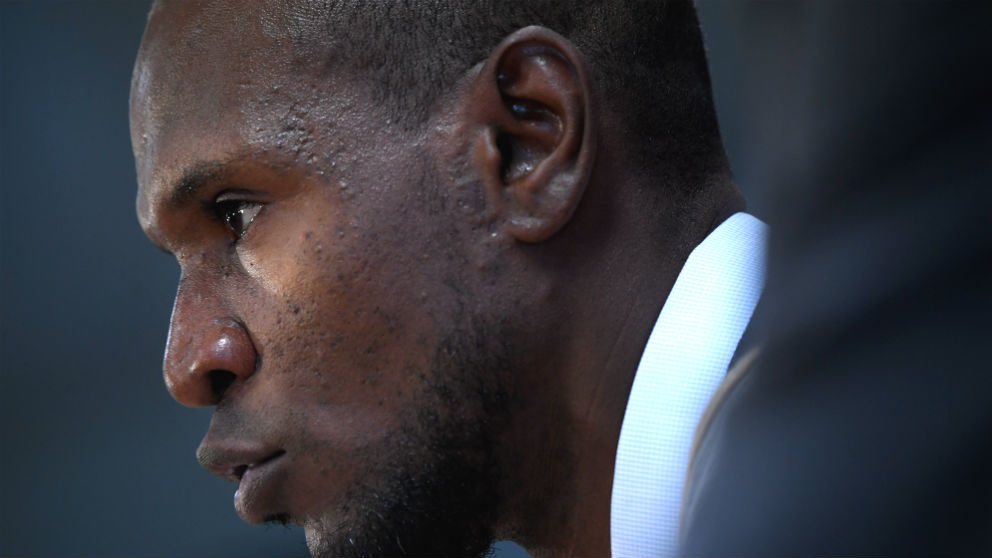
x=338, y=317
x=346, y=344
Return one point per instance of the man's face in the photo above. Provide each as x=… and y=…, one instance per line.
x=321, y=304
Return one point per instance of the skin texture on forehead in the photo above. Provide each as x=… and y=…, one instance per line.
x=269, y=86
x=164, y=95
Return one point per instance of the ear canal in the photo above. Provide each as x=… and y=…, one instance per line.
x=517, y=158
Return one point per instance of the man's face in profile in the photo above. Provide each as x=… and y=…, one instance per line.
x=321, y=304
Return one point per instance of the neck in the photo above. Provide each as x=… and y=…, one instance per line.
x=573, y=408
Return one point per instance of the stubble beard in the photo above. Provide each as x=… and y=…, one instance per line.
x=435, y=493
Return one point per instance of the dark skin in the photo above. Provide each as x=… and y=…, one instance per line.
x=330, y=257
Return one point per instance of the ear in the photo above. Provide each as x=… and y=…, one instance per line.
x=534, y=132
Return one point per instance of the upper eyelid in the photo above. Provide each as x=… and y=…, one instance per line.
x=236, y=194
x=228, y=196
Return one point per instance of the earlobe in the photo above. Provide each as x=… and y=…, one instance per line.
x=535, y=140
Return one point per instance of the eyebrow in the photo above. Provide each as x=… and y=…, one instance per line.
x=188, y=187
x=196, y=177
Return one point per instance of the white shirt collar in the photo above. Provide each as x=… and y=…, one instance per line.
x=685, y=360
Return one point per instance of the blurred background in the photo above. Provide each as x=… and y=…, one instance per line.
x=96, y=458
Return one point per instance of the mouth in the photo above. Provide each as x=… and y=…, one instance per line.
x=256, y=498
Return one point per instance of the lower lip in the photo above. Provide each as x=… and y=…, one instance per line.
x=255, y=498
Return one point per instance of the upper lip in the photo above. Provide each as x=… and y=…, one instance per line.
x=237, y=472
x=231, y=460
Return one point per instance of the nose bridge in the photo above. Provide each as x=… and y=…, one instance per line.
x=188, y=313
x=207, y=348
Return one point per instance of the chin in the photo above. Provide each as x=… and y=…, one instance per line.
x=431, y=495
x=432, y=488
x=403, y=528
x=429, y=501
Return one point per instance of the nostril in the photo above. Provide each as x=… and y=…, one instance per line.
x=220, y=380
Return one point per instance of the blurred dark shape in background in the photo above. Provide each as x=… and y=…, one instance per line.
x=866, y=427
x=98, y=460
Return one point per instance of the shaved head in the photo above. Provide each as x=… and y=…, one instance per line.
x=646, y=57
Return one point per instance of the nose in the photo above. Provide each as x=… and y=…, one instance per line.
x=206, y=351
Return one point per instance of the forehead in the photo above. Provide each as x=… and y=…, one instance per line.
x=215, y=80
x=195, y=59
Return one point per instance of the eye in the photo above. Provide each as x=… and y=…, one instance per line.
x=238, y=214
